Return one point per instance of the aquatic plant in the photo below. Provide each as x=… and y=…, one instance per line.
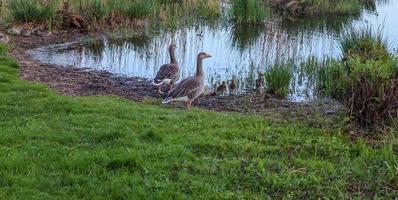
x=366, y=79
x=365, y=43
x=138, y=9
x=93, y=10
x=249, y=11
x=31, y=10
x=278, y=78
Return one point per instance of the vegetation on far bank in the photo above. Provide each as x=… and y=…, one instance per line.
x=105, y=13
x=56, y=146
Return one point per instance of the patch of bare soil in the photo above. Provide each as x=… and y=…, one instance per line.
x=74, y=81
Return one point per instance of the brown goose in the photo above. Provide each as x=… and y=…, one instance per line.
x=233, y=86
x=168, y=73
x=190, y=88
x=222, y=89
x=260, y=83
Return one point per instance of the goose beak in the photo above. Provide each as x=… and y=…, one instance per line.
x=208, y=55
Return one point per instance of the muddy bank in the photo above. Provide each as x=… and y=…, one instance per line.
x=80, y=82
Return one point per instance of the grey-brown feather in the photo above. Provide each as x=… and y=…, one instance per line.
x=191, y=87
x=167, y=71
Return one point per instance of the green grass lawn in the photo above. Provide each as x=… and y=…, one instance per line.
x=60, y=147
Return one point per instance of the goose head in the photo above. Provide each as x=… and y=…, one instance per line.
x=203, y=56
x=172, y=47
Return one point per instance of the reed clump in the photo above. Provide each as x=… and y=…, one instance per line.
x=316, y=7
x=366, y=79
x=277, y=79
x=249, y=11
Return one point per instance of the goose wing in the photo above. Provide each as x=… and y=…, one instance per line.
x=188, y=87
x=166, y=71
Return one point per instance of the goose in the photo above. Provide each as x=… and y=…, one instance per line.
x=260, y=83
x=168, y=74
x=190, y=88
x=222, y=89
x=233, y=87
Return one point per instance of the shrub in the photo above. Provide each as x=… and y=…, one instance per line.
x=31, y=10
x=277, y=80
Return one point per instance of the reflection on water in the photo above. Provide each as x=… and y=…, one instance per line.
x=238, y=51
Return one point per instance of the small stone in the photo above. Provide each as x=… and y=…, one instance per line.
x=14, y=31
x=4, y=39
x=26, y=32
x=40, y=33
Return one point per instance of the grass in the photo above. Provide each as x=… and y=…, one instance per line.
x=249, y=11
x=277, y=79
x=31, y=10
x=322, y=7
x=104, y=13
x=102, y=147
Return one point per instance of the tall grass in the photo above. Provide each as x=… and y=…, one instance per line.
x=32, y=10
x=169, y=11
x=139, y=8
x=365, y=43
x=366, y=79
x=277, y=79
x=322, y=7
x=249, y=11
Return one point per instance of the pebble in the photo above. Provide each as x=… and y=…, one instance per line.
x=14, y=31
x=4, y=38
x=26, y=32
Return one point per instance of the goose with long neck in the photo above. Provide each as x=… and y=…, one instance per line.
x=168, y=74
x=190, y=88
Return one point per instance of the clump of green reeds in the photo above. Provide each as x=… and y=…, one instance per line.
x=365, y=43
x=98, y=10
x=32, y=10
x=278, y=78
x=249, y=11
x=366, y=79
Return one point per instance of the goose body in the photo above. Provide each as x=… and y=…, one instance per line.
x=190, y=88
x=222, y=89
x=233, y=87
x=260, y=84
x=168, y=74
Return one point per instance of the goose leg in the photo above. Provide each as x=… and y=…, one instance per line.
x=189, y=104
x=160, y=90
